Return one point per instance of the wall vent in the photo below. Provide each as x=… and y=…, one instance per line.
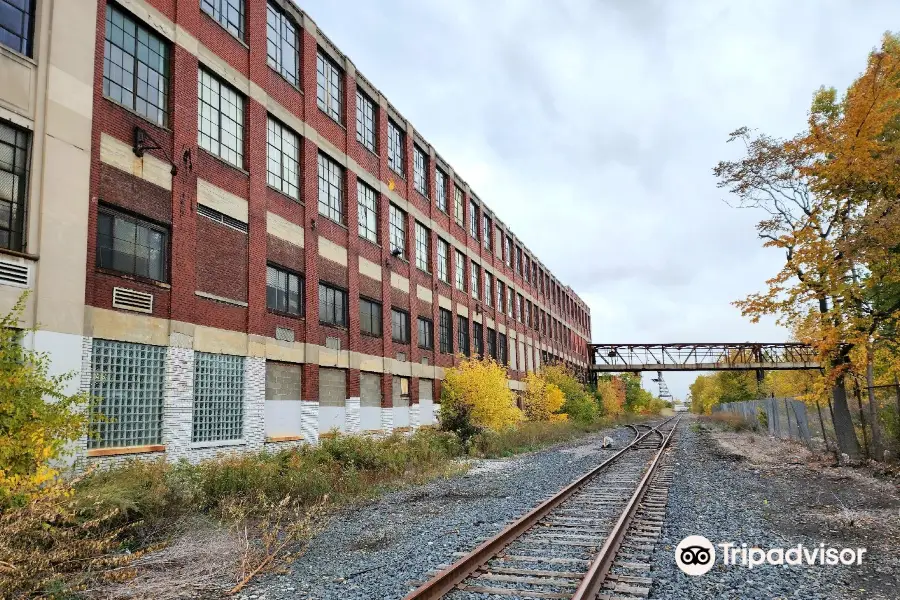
x=127, y=299
x=424, y=361
x=14, y=273
x=333, y=343
x=401, y=356
x=284, y=334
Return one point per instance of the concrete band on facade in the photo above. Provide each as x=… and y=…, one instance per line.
x=300, y=379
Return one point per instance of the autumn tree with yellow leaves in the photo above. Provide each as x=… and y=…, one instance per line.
x=830, y=195
x=475, y=396
x=542, y=401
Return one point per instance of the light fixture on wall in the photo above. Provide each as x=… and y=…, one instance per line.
x=143, y=141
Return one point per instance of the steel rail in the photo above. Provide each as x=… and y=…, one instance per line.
x=593, y=580
x=444, y=582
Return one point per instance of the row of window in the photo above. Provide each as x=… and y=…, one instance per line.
x=136, y=76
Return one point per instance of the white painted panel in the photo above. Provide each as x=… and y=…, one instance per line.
x=370, y=418
x=331, y=417
x=283, y=417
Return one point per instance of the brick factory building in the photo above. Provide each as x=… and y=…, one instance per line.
x=258, y=248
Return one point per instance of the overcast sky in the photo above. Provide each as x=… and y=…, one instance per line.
x=591, y=127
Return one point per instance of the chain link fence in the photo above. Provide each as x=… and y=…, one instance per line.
x=813, y=424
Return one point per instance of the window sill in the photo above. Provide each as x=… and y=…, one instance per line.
x=217, y=444
x=125, y=450
x=365, y=239
x=299, y=317
x=330, y=220
x=286, y=195
x=135, y=278
x=400, y=175
x=333, y=326
x=423, y=272
x=133, y=112
x=283, y=438
x=223, y=161
x=374, y=336
x=225, y=29
x=296, y=86
x=333, y=120
x=369, y=150
x=221, y=299
x=18, y=254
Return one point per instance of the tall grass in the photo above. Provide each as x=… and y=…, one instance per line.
x=530, y=436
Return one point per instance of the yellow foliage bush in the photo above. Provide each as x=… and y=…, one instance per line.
x=476, y=391
x=543, y=401
x=612, y=396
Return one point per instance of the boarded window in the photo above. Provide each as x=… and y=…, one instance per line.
x=370, y=390
x=332, y=387
x=283, y=381
x=401, y=392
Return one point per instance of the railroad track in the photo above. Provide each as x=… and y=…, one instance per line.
x=592, y=540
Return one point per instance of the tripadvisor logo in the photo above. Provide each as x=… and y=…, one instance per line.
x=696, y=555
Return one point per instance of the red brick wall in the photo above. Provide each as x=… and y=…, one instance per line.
x=213, y=258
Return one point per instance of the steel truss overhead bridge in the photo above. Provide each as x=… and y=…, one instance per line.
x=744, y=356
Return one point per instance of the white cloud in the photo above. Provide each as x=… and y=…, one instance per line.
x=591, y=129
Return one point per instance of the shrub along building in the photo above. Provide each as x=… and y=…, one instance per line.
x=269, y=249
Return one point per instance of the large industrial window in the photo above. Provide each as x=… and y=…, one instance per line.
x=474, y=277
x=492, y=343
x=129, y=380
x=284, y=291
x=331, y=189
x=502, y=356
x=218, y=397
x=365, y=120
x=396, y=143
x=17, y=25
x=443, y=260
x=220, y=119
x=420, y=170
x=458, y=206
x=488, y=288
x=131, y=246
x=462, y=331
x=135, y=66
x=229, y=14
x=369, y=317
x=282, y=43
x=440, y=189
x=445, y=323
x=486, y=231
x=507, y=251
x=14, y=150
x=426, y=333
x=518, y=260
x=459, y=266
x=329, y=87
x=423, y=248
x=397, y=226
x=332, y=306
x=368, y=211
x=509, y=301
x=473, y=219
x=283, y=159
x=500, y=293
x=478, y=339
x=399, y=326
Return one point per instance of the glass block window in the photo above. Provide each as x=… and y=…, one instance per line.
x=462, y=334
x=14, y=151
x=365, y=120
x=220, y=119
x=396, y=143
x=283, y=159
x=332, y=306
x=420, y=170
x=399, y=326
x=426, y=333
x=367, y=199
x=478, y=339
x=329, y=87
x=397, y=226
x=440, y=189
x=473, y=219
x=458, y=206
x=229, y=14
x=445, y=324
x=131, y=246
x=218, y=397
x=135, y=66
x=282, y=43
x=423, y=248
x=459, y=267
x=129, y=380
x=369, y=316
x=474, y=277
x=17, y=25
x=488, y=288
x=284, y=291
x=331, y=189
x=486, y=231
x=443, y=260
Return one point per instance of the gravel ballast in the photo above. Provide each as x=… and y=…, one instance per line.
x=727, y=498
x=374, y=551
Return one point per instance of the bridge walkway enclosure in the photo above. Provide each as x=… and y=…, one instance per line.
x=740, y=356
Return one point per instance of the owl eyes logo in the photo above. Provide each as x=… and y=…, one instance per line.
x=695, y=555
